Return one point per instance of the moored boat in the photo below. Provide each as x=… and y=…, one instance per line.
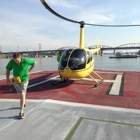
x=124, y=55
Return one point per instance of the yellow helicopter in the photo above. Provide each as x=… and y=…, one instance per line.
x=77, y=62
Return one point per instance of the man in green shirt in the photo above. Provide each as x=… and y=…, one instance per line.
x=58, y=58
x=20, y=65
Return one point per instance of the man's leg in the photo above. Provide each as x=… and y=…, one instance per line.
x=21, y=90
x=22, y=103
x=25, y=102
x=24, y=86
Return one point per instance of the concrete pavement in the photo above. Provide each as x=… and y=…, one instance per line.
x=57, y=120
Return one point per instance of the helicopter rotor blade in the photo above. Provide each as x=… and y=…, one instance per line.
x=102, y=25
x=81, y=22
x=58, y=15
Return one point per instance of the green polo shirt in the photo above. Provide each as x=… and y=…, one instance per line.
x=20, y=69
x=58, y=58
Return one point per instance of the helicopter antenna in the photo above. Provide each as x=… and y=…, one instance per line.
x=81, y=22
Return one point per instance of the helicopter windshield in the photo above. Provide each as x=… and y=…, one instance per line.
x=77, y=59
x=64, y=59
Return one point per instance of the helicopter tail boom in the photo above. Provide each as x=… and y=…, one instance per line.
x=95, y=50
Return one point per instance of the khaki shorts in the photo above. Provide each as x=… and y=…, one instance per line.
x=21, y=88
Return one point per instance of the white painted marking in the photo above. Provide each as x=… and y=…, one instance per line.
x=13, y=121
x=42, y=82
x=17, y=100
x=137, y=111
x=89, y=79
x=8, y=125
x=117, y=70
x=9, y=100
x=110, y=72
x=94, y=106
x=36, y=71
x=116, y=86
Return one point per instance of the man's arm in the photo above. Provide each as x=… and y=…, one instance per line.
x=7, y=77
x=32, y=66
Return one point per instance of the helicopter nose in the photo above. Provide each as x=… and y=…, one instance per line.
x=67, y=70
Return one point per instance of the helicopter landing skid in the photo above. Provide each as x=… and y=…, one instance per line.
x=99, y=83
x=60, y=81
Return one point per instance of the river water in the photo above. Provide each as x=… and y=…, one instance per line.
x=50, y=63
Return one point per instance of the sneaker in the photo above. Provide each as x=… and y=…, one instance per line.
x=25, y=104
x=21, y=115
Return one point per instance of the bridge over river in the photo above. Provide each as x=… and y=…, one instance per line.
x=128, y=46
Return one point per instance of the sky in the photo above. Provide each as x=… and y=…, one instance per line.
x=26, y=24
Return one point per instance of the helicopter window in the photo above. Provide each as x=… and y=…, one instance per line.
x=88, y=57
x=91, y=56
x=77, y=59
x=64, y=59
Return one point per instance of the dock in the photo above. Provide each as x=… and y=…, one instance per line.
x=75, y=109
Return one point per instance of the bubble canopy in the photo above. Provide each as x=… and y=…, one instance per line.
x=74, y=59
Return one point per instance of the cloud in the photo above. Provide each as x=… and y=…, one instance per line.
x=28, y=32
x=96, y=16
x=136, y=22
x=62, y=3
x=26, y=29
x=31, y=24
x=92, y=14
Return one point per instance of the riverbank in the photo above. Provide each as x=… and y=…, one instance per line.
x=31, y=56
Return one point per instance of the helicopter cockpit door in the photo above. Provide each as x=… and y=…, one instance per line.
x=64, y=59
